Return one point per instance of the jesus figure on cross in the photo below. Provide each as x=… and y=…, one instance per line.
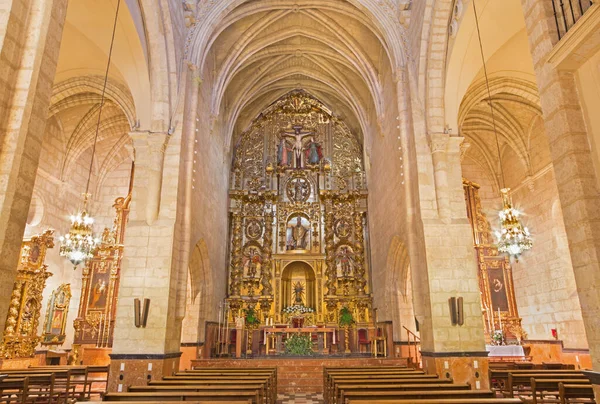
x=298, y=135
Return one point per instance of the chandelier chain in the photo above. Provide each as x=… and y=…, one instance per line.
x=487, y=84
x=112, y=42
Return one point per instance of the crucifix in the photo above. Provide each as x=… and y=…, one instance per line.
x=298, y=135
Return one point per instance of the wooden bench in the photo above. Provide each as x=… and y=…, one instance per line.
x=499, y=377
x=232, y=401
x=372, y=396
x=541, y=388
x=520, y=383
x=442, y=401
x=190, y=378
x=84, y=376
x=329, y=385
x=344, y=390
x=259, y=389
x=14, y=390
x=330, y=391
x=247, y=396
x=575, y=393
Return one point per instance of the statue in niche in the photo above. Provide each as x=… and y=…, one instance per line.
x=298, y=189
x=299, y=289
x=345, y=261
x=313, y=152
x=298, y=234
x=284, y=153
x=252, y=262
x=298, y=136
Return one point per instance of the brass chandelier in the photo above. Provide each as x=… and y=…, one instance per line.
x=512, y=238
x=79, y=245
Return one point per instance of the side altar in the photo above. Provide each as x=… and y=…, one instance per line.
x=298, y=220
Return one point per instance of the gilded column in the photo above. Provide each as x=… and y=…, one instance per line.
x=265, y=275
x=359, y=250
x=330, y=271
x=236, y=262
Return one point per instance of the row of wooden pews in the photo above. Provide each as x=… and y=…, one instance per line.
x=52, y=384
x=539, y=386
x=223, y=385
x=390, y=384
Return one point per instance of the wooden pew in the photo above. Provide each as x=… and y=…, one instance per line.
x=520, y=383
x=442, y=401
x=232, y=401
x=331, y=379
x=540, y=388
x=84, y=376
x=41, y=386
x=14, y=390
x=343, y=390
x=575, y=393
x=499, y=377
x=260, y=389
x=248, y=396
x=331, y=391
x=381, y=372
x=372, y=396
x=231, y=378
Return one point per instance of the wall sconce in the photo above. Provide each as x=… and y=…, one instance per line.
x=140, y=316
x=457, y=314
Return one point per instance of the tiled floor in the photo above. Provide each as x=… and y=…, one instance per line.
x=300, y=398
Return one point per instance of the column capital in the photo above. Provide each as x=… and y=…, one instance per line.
x=153, y=141
x=438, y=142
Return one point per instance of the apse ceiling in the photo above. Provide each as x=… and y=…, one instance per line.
x=261, y=50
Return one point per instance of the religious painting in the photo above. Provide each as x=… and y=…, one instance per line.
x=498, y=293
x=56, y=316
x=298, y=233
x=99, y=291
x=343, y=228
x=344, y=259
x=253, y=229
x=252, y=261
x=298, y=189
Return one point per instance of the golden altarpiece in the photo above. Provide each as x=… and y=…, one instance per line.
x=495, y=273
x=95, y=321
x=20, y=331
x=298, y=204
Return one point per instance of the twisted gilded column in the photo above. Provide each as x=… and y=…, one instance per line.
x=330, y=271
x=359, y=251
x=236, y=262
x=265, y=270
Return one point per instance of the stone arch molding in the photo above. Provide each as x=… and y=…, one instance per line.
x=397, y=284
x=200, y=272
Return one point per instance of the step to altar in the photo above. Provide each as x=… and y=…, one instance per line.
x=299, y=375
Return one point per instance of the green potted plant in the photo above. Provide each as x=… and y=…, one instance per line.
x=252, y=322
x=346, y=320
x=298, y=345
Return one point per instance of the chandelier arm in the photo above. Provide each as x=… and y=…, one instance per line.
x=487, y=84
x=112, y=42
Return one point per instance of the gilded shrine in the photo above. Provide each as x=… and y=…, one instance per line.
x=298, y=204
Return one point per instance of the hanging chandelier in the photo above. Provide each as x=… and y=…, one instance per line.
x=512, y=238
x=79, y=245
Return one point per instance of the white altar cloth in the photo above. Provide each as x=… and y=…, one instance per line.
x=505, y=350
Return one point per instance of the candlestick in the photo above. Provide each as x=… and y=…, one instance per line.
x=334, y=336
x=499, y=319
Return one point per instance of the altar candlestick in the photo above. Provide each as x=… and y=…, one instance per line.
x=334, y=336
x=499, y=319
x=265, y=336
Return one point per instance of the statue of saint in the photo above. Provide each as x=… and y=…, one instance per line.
x=346, y=259
x=314, y=152
x=299, y=235
x=284, y=153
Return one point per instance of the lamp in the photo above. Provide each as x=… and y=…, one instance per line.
x=512, y=238
x=80, y=244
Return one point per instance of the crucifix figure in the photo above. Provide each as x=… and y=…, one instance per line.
x=298, y=135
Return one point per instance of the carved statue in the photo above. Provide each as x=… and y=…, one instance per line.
x=284, y=153
x=299, y=235
x=346, y=259
x=313, y=152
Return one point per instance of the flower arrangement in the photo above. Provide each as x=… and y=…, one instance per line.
x=346, y=319
x=297, y=309
x=298, y=345
x=498, y=337
x=251, y=317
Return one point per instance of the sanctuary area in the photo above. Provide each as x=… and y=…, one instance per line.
x=298, y=201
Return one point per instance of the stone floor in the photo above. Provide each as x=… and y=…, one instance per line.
x=300, y=398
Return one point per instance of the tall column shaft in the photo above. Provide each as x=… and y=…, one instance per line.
x=30, y=35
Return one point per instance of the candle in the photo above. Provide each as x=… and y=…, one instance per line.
x=265, y=337
x=334, y=336
x=499, y=319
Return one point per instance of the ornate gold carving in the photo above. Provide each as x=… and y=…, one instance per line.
x=236, y=262
x=265, y=277
x=20, y=331
x=56, y=316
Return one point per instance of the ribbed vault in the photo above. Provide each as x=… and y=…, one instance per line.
x=260, y=50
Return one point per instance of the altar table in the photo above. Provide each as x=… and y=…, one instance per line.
x=274, y=336
x=505, y=350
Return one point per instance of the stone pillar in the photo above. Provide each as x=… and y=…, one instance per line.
x=573, y=166
x=148, y=271
x=441, y=253
x=30, y=35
